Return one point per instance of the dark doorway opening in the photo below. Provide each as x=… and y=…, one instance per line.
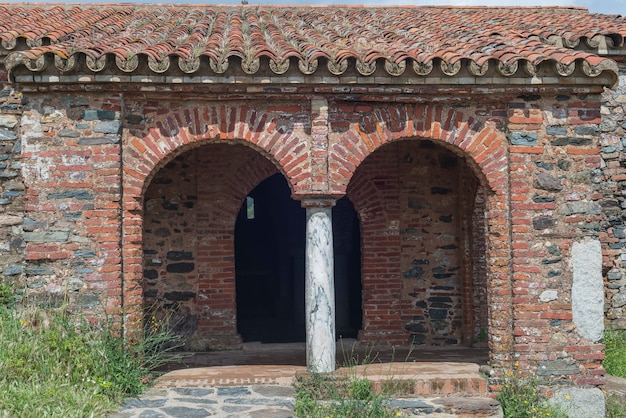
x=269, y=265
x=347, y=249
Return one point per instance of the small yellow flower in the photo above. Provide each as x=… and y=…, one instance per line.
x=567, y=396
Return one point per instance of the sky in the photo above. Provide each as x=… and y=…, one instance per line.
x=594, y=6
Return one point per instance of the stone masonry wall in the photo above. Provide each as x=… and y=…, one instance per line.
x=85, y=220
x=11, y=188
x=71, y=169
x=612, y=186
x=472, y=132
x=189, y=222
x=413, y=276
x=555, y=169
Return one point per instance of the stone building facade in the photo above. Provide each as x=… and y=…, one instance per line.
x=471, y=202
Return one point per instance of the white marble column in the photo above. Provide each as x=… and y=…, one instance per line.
x=319, y=292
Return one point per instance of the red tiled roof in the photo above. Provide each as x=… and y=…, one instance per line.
x=365, y=37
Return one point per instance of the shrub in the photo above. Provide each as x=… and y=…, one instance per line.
x=615, y=353
x=321, y=395
x=7, y=296
x=615, y=407
x=54, y=365
x=520, y=398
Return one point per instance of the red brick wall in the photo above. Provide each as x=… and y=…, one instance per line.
x=190, y=210
x=412, y=198
x=613, y=236
x=86, y=181
x=71, y=169
x=473, y=134
x=162, y=131
x=553, y=203
x=477, y=251
x=12, y=190
x=163, y=134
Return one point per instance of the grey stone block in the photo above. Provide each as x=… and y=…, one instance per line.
x=556, y=368
x=38, y=270
x=556, y=130
x=111, y=127
x=99, y=140
x=8, y=121
x=12, y=270
x=7, y=135
x=10, y=220
x=543, y=222
x=68, y=133
x=619, y=300
x=193, y=391
x=523, y=138
x=72, y=194
x=233, y=391
x=6, y=174
x=545, y=181
x=588, y=289
x=46, y=236
x=85, y=253
x=587, y=130
x=572, y=208
x=579, y=402
x=75, y=284
x=89, y=301
x=181, y=411
x=98, y=114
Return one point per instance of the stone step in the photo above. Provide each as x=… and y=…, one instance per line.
x=405, y=379
x=615, y=386
x=449, y=407
x=413, y=379
x=409, y=387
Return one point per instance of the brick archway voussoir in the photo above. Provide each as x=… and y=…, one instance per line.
x=485, y=147
x=178, y=132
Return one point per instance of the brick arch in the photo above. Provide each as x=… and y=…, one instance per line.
x=479, y=141
x=485, y=149
x=179, y=131
x=218, y=177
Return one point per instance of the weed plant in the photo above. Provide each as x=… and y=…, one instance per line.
x=520, y=398
x=52, y=365
x=615, y=364
x=615, y=407
x=615, y=353
x=330, y=396
x=337, y=395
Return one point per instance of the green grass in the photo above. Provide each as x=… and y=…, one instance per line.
x=615, y=353
x=53, y=365
x=330, y=396
x=521, y=398
x=615, y=407
x=615, y=364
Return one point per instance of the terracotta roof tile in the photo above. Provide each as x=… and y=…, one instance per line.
x=363, y=37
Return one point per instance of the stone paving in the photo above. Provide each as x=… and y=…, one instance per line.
x=273, y=401
x=257, y=383
x=255, y=401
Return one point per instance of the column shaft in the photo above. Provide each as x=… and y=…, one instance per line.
x=319, y=292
